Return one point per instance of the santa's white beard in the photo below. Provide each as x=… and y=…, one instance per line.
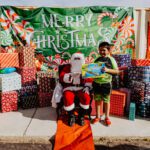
x=76, y=66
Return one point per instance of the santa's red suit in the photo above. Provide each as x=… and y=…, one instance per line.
x=74, y=85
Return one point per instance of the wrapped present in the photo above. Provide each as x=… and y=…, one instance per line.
x=45, y=82
x=140, y=62
x=123, y=77
x=9, y=101
x=9, y=60
x=44, y=99
x=122, y=59
x=139, y=73
x=2, y=50
x=28, y=76
x=28, y=90
x=138, y=91
x=147, y=91
x=141, y=109
x=115, y=82
x=134, y=73
x=144, y=74
x=41, y=74
x=117, y=103
x=26, y=56
x=128, y=97
x=132, y=111
x=27, y=102
x=10, y=82
x=93, y=113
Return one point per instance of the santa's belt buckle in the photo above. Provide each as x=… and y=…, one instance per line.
x=77, y=85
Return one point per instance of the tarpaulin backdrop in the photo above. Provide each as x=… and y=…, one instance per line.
x=59, y=32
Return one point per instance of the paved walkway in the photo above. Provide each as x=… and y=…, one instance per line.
x=42, y=122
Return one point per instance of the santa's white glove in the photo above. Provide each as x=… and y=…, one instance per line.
x=86, y=90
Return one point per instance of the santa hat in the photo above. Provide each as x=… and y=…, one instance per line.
x=78, y=55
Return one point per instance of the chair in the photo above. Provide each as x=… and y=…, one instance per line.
x=60, y=110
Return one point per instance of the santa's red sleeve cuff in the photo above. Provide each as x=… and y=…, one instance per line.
x=88, y=83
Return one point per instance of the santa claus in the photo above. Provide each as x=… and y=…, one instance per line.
x=74, y=85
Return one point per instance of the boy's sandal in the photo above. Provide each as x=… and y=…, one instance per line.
x=107, y=121
x=95, y=120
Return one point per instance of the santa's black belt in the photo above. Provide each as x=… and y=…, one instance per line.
x=77, y=85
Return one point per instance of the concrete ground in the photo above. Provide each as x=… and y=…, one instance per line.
x=35, y=129
x=42, y=122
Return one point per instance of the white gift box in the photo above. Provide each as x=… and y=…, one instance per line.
x=10, y=82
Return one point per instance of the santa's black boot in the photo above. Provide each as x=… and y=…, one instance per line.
x=81, y=117
x=71, y=118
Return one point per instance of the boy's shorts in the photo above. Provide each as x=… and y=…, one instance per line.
x=102, y=91
x=99, y=97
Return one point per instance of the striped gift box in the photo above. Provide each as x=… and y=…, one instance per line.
x=140, y=62
x=26, y=56
x=122, y=59
x=9, y=60
x=8, y=101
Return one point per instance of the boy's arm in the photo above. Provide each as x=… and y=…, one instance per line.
x=115, y=69
x=112, y=71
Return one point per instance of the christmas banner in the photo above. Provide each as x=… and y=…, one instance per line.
x=57, y=33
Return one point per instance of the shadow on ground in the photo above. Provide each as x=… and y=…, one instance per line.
x=37, y=113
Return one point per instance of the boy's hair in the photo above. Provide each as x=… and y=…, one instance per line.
x=106, y=44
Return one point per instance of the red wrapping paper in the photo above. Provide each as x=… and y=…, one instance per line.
x=117, y=103
x=44, y=99
x=46, y=82
x=9, y=101
x=140, y=62
x=26, y=56
x=28, y=75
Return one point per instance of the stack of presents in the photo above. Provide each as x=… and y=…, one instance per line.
x=24, y=87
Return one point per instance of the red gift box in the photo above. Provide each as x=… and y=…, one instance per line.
x=117, y=103
x=9, y=101
x=9, y=60
x=28, y=75
x=46, y=82
x=93, y=113
x=44, y=99
x=26, y=56
x=2, y=50
x=140, y=62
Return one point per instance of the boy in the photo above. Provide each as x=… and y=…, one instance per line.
x=102, y=85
